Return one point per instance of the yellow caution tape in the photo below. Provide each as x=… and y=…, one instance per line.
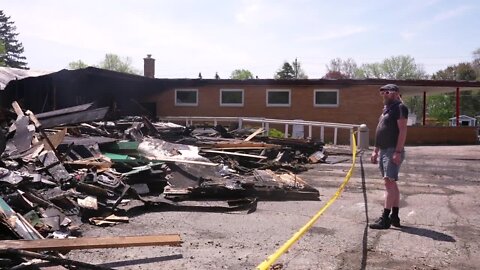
x=274, y=257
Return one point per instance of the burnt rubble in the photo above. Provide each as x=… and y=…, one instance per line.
x=63, y=168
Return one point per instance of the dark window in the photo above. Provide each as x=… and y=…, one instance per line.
x=326, y=98
x=278, y=98
x=231, y=97
x=186, y=97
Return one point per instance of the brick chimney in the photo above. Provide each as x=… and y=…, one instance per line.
x=149, y=66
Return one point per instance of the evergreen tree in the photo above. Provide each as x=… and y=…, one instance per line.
x=291, y=71
x=286, y=72
x=2, y=52
x=13, y=48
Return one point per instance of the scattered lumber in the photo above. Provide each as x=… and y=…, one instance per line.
x=52, y=259
x=92, y=242
x=258, y=131
x=233, y=154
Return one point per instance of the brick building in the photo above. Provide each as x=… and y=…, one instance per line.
x=337, y=101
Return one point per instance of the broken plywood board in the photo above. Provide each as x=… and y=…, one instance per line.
x=56, y=139
x=69, y=110
x=238, y=144
x=233, y=154
x=17, y=222
x=92, y=242
x=51, y=259
x=75, y=117
x=258, y=131
x=101, y=162
x=159, y=150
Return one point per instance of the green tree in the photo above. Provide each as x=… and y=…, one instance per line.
x=241, y=74
x=345, y=69
x=402, y=67
x=12, y=57
x=466, y=72
x=476, y=62
x=285, y=72
x=290, y=71
x=77, y=65
x=449, y=73
x=2, y=52
x=110, y=62
x=470, y=102
x=459, y=72
x=115, y=63
x=371, y=71
x=441, y=107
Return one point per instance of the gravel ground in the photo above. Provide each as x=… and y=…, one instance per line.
x=439, y=211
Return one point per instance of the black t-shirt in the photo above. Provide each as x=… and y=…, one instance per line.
x=386, y=135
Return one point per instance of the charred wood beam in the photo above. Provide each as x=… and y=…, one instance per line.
x=92, y=243
x=52, y=259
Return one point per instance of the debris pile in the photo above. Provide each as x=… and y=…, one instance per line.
x=63, y=168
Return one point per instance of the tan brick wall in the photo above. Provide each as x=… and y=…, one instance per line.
x=441, y=135
x=357, y=105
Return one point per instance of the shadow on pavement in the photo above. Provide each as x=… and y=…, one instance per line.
x=438, y=236
x=365, y=230
x=142, y=261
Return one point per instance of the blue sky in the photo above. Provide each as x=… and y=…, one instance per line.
x=187, y=37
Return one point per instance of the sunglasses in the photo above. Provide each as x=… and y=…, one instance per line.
x=386, y=92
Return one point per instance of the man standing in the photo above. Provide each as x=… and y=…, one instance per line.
x=389, y=152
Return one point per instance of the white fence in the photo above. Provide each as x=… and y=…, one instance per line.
x=265, y=123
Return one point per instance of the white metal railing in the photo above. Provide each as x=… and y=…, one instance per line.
x=265, y=122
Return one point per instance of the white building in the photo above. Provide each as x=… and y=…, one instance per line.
x=463, y=120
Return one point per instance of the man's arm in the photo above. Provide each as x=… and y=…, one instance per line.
x=374, y=156
x=402, y=134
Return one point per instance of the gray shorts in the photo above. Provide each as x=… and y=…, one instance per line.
x=385, y=162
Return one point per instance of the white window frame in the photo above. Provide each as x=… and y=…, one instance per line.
x=232, y=104
x=326, y=105
x=279, y=105
x=186, y=104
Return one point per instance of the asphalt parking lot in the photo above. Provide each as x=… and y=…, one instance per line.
x=439, y=210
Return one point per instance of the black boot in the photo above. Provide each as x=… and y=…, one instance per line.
x=383, y=222
x=395, y=220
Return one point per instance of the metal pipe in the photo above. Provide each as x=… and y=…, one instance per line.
x=424, y=108
x=457, y=107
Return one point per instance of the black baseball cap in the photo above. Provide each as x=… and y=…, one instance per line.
x=389, y=87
